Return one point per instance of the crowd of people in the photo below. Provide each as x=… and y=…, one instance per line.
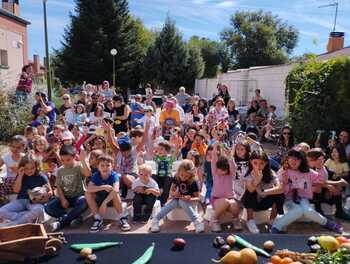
x=97, y=151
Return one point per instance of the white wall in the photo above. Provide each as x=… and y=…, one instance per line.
x=242, y=84
x=9, y=41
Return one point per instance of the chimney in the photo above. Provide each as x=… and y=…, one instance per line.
x=36, y=64
x=11, y=6
x=335, y=41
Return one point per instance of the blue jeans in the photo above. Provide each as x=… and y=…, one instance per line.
x=209, y=187
x=21, y=211
x=296, y=211
x=55, y=209
x=21, y=97
x=177, y=203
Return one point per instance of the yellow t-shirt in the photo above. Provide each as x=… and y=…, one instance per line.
x=171, y=118
x=338, y=168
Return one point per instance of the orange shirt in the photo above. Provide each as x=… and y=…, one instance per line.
x=173, y=116
x=201, y=148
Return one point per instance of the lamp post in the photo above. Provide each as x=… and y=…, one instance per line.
x=48, y=70
x=114, y=52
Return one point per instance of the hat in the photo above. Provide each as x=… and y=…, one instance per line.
x=124, y=140
x=106, y=82
x=67, y=135
x=169, y=104
x=148, y=108
x=36, y=123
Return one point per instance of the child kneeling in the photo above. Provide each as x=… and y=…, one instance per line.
x=102, y=191
x=146, y=192
x=70, y=190
x=184, y=190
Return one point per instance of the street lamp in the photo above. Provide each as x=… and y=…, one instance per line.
x=48, y=70
x=114, y=52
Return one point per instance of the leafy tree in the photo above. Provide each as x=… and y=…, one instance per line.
x=214, y=55
x=259, y=38
x=96, y=27
x=318, y=95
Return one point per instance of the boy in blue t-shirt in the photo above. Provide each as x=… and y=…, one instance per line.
x=103, y=191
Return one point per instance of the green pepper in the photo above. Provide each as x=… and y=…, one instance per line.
x=146, y=257
x=246, y=244
x=95, y=246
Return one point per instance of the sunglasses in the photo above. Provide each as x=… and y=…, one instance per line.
x=287, y=133
x=65, y=98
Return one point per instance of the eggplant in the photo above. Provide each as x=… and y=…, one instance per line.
x=219, y=242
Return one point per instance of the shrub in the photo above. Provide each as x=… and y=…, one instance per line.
x=13, y=118
x=319, y=97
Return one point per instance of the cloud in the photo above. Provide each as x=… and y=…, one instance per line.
x=226, y=4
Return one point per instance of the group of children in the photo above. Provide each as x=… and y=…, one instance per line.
x=72, y=168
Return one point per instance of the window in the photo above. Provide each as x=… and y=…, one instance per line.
x=4, y=58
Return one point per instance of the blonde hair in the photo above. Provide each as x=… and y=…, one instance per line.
x=40, y=139
x=146, y=167
x=187, y=165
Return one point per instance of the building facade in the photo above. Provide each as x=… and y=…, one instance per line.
x=13, y=43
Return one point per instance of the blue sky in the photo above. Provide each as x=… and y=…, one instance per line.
x=200, y=17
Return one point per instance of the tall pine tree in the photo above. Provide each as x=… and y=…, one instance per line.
x=96, y=27
x=167, y=59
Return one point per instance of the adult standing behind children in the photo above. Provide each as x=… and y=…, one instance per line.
x=42, y=103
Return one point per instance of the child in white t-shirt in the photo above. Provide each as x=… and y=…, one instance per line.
x=11, y=160
x=146, y=192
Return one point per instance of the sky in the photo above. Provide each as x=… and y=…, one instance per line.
x=205, y=18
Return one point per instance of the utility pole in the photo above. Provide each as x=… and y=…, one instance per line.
x=48, y=68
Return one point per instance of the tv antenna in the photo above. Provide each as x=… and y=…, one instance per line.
x=336, y=4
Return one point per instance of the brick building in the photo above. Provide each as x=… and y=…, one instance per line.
x=13, y=43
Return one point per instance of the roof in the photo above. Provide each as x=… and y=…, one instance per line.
x=7, y=14
x=342, y=52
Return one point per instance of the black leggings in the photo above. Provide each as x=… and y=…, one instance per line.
x=164, y=183
x=251, y=201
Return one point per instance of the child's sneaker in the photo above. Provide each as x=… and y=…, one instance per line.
x=274, y=230
x=55, y=226
x=252, y=227
x=124, y=225
x=199, y=226
x=96, y=226
x=155, y=226
x=333, y=226
x=215, y=226
x=237, y=225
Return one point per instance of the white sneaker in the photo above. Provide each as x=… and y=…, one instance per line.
x=237, y=225
x=199, y=226
x=155, y=226
x=252, y=227
x=215, y=226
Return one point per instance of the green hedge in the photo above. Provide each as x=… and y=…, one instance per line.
x=318, y=94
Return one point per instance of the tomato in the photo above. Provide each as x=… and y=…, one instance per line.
x=342, y=239
x=287, y=261
x=276, y=260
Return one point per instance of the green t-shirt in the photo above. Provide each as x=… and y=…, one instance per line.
x=164, y=165
x=70, y=180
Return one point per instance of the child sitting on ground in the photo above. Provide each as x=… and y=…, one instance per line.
x=146, y=192
x=199, y=144
x=337, y=163
x=102, y=191
x=70, y=189
x=26, y=209
x=297, y=180
x=222, y=198
x=184, y=191
x=263, y=190
x=11, y=160
x=164, y=161
x=331, y=191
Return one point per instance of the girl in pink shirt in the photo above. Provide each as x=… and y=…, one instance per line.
x=297, y=180
x=222, y=198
